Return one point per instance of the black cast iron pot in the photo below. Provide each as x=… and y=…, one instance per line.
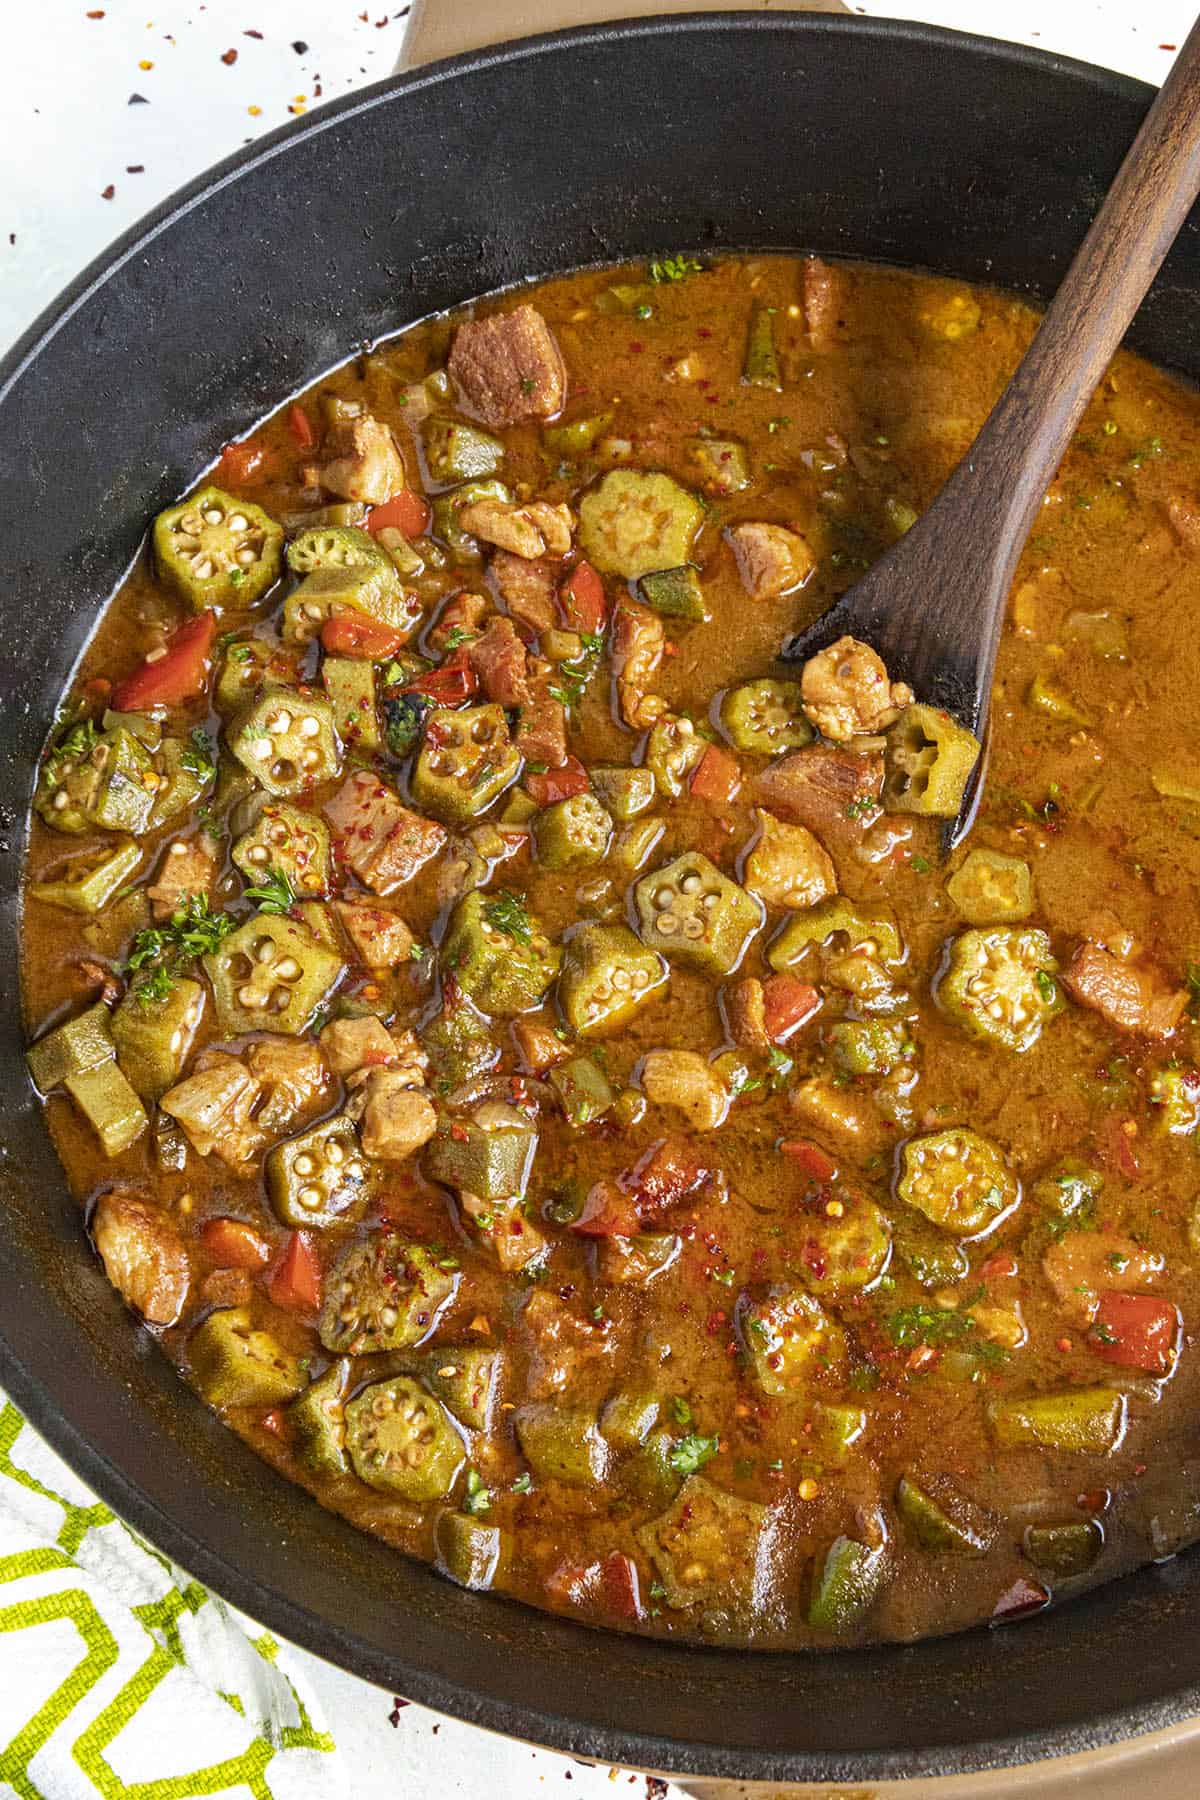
x=890, y=142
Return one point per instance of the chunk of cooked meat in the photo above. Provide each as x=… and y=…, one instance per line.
x=527, y=589
x=294, y=1076
x=1083, y=1265
x=143, y=1255
x=567, y=1350
x=847, y=693
x=771, y=559
x=188, y=866
x=834, y=792
x=352, y=1044
x=398, y=1119
x=227, y=1287
x=380, y=937
x=821, y=291
x=498, y=659
x=788, y=867
x=667, y=1173
x=384, y=842
x=515, y=1239
x=462, y=612
x=530, y=531
x=638, y=644
x=747, y=1013
x=538, y=1045
x=684, y=1080
x=508, y=368
x=364, y=463
x=843, y=1114
x=541, y=734
x=216, y=1105
x=1128, y=997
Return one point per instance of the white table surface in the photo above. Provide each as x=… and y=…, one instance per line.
x=79, y=162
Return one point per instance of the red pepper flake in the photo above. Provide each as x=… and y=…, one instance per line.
x=703, y=331
x=1063, y=1344
x=636, y=348
x=300, y=46
x=135, y=168
x=108, y=192
x=229, y=57
x=1168, y=46
x=258, y=36
x=98, y=13
x=1139, y=1468
x=137, y=100
x=714, y=1322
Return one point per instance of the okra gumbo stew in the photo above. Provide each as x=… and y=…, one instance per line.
x=513, y=1038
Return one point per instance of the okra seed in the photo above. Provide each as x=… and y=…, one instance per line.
x=312, y=611
x=239, y=522
x=304, y=1165
x=388, y=1317
x=709, y=901
x=663, y=897
x=693, y=928
x=247, y=556
x=311, y=758
x=259, y=855
x=60, y=800
x=641, y=979
x=250, y=997
x=281, y=723
x=667, y=923
x=309, y=1197
x=354, y=1171
x=334, y=1154
x=288, y=969
x=176, y=1040
x=178, y=848
x=190, y=523
x=309, y=727
x=260, y=750
x=203, y=568
x=622, y=981
x=603, y=990
x=264, y=950
x=213, y=515
x=690, y=884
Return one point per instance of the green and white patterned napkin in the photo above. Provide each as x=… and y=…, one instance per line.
x=121, y=1676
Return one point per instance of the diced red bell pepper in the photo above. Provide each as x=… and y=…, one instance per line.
x=787, y=1005
x=1135, y=1331
x=296, y=1282
x=666, y=1174
x=620, y=1589
x=300, y=426
x=608, y=1212
x=178, y=675
x=232, y=1244
x=810, y=1159
x=241, y=462
x=572, y=1584
x=545, y=786
x=1025, y=1596
x=717, y=777
x=405, y=512
x=445, y=687
x=581, y=600
x=1117, y=1148
x=1000, y=1267
x=353, y=634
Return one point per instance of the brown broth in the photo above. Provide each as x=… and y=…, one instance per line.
x=877, y=415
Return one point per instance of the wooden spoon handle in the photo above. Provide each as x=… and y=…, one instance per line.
x=1029, y=430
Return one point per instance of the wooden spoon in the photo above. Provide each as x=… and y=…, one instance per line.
x=933, y=607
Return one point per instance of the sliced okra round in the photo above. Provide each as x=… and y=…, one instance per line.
x=928, y=762
x=335, y=547
x=499, y=954
x=290, y=842
x=235, y=1364
x=845, y=1252
x=218, y=551
x=959, y=1180
x=606, y=975
x=318, y=1423
x=991, y=888
x=402, y=1442
x=384, y=1293
x=708, y=1547
x=791, y=1340
x=318, y=1178
x=766, y=717
x=673, y=750
x=696, y=916
x=633, y=523
x=287, y=741
x=271, y=974
x=572, y=833
x=466, y=760
x=1000, y=985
